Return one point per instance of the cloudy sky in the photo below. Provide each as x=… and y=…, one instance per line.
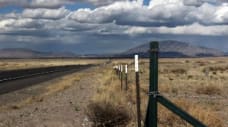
x=108, y=26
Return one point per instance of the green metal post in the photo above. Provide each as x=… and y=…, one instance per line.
x=151, y=116
x=184, y=115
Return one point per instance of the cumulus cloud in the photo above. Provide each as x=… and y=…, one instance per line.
x=52, y=3
x=193, y=29
x=11, y=25
x=42, y=13
x=47, y=3
x=99, y=2
x=159, y=13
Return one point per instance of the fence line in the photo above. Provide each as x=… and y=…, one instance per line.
x=156, y=97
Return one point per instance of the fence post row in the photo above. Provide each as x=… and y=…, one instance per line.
x=154, y=96
x=123, y=75
x=138, y=101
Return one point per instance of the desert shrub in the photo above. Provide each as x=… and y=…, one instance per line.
x=209, y=90
x=179, y=71
x=163, y=71
x=190, y=76
x=215, y=69
x=104, y=114
x=187, y=61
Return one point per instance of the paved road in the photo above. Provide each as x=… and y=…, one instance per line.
x=19, y=79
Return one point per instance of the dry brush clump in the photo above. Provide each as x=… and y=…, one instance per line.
x=173, y=70
x=179, y=71
x=209, y=90
x=104, y=114
x=215, y=69
x=108, y=107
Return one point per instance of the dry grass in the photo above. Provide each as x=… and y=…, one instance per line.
x=169, y=119
x=13, y=64
x=65, y=83
x=177, y=77
x=49, y=88
x=109, y=110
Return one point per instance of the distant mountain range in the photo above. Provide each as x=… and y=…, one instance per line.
x=173, y=49
x=28, y=53
x=168, y=49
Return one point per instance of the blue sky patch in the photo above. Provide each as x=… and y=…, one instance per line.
x=11, y=8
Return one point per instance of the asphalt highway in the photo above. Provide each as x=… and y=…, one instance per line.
x=19, y=79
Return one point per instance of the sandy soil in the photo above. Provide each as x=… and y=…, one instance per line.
x=62, y=109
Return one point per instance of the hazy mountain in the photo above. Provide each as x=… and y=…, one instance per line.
x=172, y=48
x=28, y=53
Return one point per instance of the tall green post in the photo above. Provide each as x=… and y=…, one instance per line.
x=152, y=110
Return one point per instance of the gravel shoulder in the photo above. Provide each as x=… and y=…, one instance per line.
x=65, y=108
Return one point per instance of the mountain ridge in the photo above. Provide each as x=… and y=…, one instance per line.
x=29, y=53
x=171, y=48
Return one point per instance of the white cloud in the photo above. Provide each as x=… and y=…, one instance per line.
x=13, y=24
x=222, y=14
x=45, y=13
x=100, y=2
x=52, y=3
x=48, y=3
x=193, y=29
x=158, y=13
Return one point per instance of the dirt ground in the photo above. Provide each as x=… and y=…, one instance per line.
x=64, y=108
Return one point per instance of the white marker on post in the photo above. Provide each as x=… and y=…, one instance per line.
x=126, y=68
x=121, y=68
x=136, y=63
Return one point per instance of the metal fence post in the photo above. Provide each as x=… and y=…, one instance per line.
x=121, y=76
x=119, y=72
x=155, y=97
x=152, y=110
x=137, y=91
x=126, y=78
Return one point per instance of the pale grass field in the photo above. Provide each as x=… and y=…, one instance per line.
x=47, y=88
x=197, y=85
x=12, y=64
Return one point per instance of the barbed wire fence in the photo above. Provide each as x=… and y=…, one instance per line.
x=163, y=100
